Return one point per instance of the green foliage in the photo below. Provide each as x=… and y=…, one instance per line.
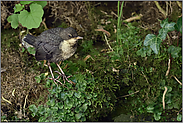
x=30, y=19
x=155, y=41
x=174, y=51
x=178, y=25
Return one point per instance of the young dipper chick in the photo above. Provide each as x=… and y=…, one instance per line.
x=55, y=45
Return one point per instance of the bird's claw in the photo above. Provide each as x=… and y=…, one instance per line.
x=64, y=77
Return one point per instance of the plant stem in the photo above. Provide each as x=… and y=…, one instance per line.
x=119, y=23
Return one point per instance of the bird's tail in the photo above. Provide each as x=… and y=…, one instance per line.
x=29, y=39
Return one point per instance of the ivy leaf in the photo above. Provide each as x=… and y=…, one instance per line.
x=33, y=18
x=174, y=51
x=34, y=109
x=163, y=23
x=163, y=31
x=25, y=2
x=153, y=41
x=178, y=25
x=13, y=19
x=166, y=27
x=18, y=7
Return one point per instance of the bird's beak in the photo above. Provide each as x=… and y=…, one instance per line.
x=79, y=37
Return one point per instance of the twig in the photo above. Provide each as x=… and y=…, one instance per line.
x=163, y=99
x=177, y=80
x=6, y=100
x=107, y=42
x=160, y=9
x=137, y=17
x=145, y=77
x=44, y=24
x=129, y=94
x=167, y=72
x=103, y=30
x=25, y=104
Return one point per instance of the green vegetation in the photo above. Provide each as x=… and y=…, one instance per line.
x=141, y=72
x=27, y=19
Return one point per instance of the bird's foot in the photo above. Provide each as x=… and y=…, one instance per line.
x=65, y=77
x=56, y=80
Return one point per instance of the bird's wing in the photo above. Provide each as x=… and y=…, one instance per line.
x=47, y=46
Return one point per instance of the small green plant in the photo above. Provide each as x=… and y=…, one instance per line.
x=27, y=19
x=153, y=42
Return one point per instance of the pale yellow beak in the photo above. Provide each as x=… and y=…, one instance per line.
x=79, y=37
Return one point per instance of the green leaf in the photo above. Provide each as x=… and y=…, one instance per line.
x=34, y=109
x=84, y=107
x=150, y=108
x=163, y=23
x=38, y=78
x=78, y=116
x=179, y=117
x=166, y=27
x=63, y=96
x=153, y=41
x=68, y=104
x=60, y=105
x=23, y=49
x=13, y=19
x=33, y=18
x=174, y=51
x=157, y=116
x=77, y=94
x=25, y=2
x=42, y=3
x=178, y=25
x=18, y=7
x=31, y=50
x=51, y=102
x=141, y=52
x=41, y=109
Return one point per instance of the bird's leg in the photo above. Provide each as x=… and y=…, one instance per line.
x=63, y=74
x=53, y=75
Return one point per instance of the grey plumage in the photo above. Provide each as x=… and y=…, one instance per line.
x=54, y=45
x=51, y=44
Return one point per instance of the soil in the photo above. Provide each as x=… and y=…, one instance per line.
x=18, y=84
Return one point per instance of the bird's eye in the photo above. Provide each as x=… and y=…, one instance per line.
x=70, y=35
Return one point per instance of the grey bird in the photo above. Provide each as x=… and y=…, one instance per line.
x=55, y=45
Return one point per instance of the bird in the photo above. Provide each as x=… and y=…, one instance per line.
x=55, y=45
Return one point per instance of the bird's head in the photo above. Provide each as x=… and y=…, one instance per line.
x=70, y=35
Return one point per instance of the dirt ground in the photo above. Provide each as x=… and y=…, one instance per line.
x=18, y=86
